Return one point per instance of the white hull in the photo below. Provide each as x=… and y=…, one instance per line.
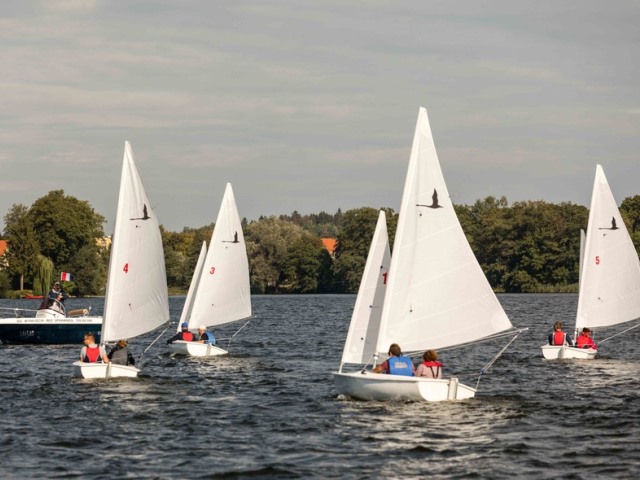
x=556, y=352
x=384, y=387
x=192, y=349
x=103, y=370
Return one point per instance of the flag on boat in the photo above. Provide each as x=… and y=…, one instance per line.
x=65, y=277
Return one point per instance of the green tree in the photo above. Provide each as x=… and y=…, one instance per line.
x=268, y=241
x=307, y=266
x=630, y=209
x=22, y=244
x=43, y=275
x=89, y=271
x=5, y=284
x=354, y=240
x=64, y=225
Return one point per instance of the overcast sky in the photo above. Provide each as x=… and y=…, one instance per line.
x=311, y=105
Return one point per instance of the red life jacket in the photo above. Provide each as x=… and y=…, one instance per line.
x=584, y=342
x=434, y=367
x=187, y=336
x=92, y=354
x=559, y=338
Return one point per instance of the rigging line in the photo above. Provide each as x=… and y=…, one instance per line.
x=151, y=345
x=417, y=353
x=494, y=359
x=618, y=334
x=231, y=338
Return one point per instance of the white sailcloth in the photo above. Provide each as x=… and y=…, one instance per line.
x=136, y=299
x=437, y=295
x=362, y=337
x=610, y=274
x=223, y=294
x=191, y=294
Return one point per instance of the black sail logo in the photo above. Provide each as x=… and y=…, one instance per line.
x=613, y=226
x=434, y=201
x=145, y=215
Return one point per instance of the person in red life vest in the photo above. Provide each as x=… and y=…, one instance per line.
x=584, y=340
x=558, y=337
x=184, y=334
x=396, y=364
x=91, y=352
x=430, y=366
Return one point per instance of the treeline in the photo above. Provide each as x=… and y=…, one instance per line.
x=528, y=246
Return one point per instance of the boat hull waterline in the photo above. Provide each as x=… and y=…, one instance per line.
x=385, y=387
x=564, y=352
x=181, y=347
x=103, y=370
x=48, y=331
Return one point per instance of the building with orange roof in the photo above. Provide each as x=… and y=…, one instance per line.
x=330, y=244
x=3, y=250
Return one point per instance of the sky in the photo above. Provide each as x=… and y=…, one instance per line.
x=311, y=106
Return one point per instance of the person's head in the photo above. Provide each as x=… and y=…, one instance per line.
x=202, y=329
x=586, y=331
x=89, y=338
x=430, y=356
x=56, y=286
x=394, y=350
x=557, y=326
x=122, y=343
x=185, y=326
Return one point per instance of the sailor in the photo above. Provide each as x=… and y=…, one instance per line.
x=91, y=352
x=120, y=354
x=205, y=337
x=396, y=364
x=584, y=340
x=184, y=334
x=430, y=367
x=558, y=337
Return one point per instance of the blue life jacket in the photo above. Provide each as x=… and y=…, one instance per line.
x=210, y=338
x=400, y=366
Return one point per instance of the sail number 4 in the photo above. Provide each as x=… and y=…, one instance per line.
x=125, y=269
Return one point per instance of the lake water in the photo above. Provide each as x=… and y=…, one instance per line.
x=268, y=410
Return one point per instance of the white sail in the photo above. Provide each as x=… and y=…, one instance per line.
x=188, y=302
x=610, y=276
x=223, y=294
x=437, y=295
x=136, y=299
x=362, y=337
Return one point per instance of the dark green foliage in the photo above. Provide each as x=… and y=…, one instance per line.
x=64, y=225
x=89, y=272
x=23, y=247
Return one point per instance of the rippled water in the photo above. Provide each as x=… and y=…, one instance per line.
x=269, y=411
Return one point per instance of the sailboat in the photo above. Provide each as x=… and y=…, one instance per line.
x=219, y=292
x=433, y=296
x=609, y=284
x=136, y=300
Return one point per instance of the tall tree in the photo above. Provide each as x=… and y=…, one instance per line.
x=22, y=244
x=43, y=275
x=268, y=241
x=354, y=241
x=64, y=225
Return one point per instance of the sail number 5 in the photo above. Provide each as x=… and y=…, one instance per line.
x=597, y=259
